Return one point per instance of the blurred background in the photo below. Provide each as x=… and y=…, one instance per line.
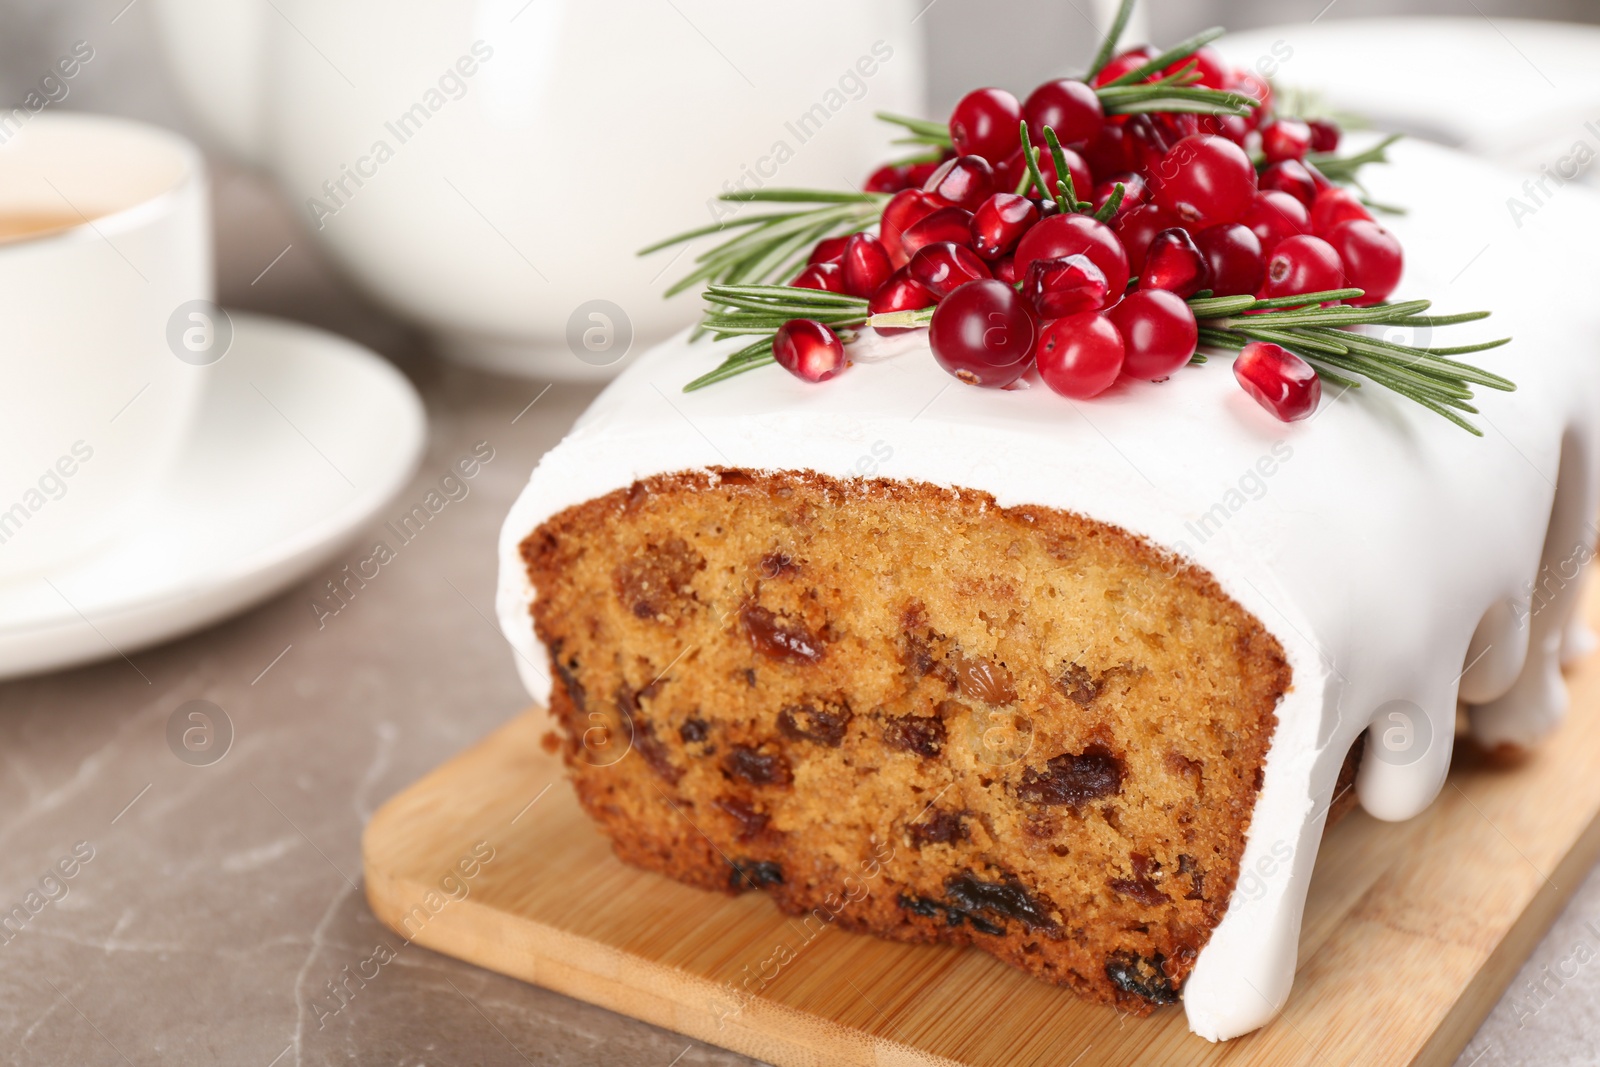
x=1036, y=39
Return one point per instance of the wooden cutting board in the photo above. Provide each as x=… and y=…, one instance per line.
x=1411, y=933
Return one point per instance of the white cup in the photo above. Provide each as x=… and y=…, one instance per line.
x=94, y=401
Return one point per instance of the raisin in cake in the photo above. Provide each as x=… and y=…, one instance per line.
x=1092, y=675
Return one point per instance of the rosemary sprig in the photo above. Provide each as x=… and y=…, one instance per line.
x=1326, y=339
x=758, y=310
x=1343, y=169
x=1108, y=47
x=773, y=245
x=1324, y=336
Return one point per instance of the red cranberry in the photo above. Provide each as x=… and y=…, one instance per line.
x=1000, y=222
x=965, y=181
x=1318, y=179
x=983, y=333
x=1158, y=331
x=1233, y=127
x=828, y=277
x=1275, y=216
x=1005, y=268
x=945, y=267
x=1206, y=180
x=1234, y=255
x=1324, y=135
x=1210, y=66
x=917, y=173
x=902, y=210
x=1067, y=106
x=887, y=179
x=1173, y=263
x=1135, y=193
x=1254, y=85
x=1065, y=286
x=1292, y=177
x=1285, y=139
x=1111, y=152
x=1068, y=235
x=829, y=250
x=1302, y=264
x=865, y=264
x=1333, y=206
x=808, y=350
x=1139, y=227
x=1123, y=62
x=1077, y=169
x=986, y=123
x=1080, y=356
x=951, y=224
x=1278, y=380
x=901, y=292
x=1371, y=257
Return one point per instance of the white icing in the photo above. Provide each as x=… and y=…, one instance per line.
x=1380, y=540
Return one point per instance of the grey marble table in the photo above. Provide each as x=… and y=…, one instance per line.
x=220, y=902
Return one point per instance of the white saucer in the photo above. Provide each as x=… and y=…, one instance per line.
x=303, y=438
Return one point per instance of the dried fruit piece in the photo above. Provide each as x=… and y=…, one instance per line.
x=1074, y=779
x=779, y=637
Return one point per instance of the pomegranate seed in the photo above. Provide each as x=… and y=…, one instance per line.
x=1206, y=180
x=1123, y=62
x=1139, y=227
x=1159, y=333
x=1292, y=177
x=1069, y=235
x=901, y=292
x=1278, y=380
x=1148, y=143
x=865, y=264
x=1302, y=264
x=1371, y=257
x=1000, y=222
x=1285, y=139
x=985, y=123
x=828, y=277
x=965, y=181
x=808, y=350
x=945, y=267
x=887, y=179
x=1135, y=193
x=902, y=210
x=1324, y=135
x=983, y=333
x=1333, y=206
x=1080, y=356
x=1254, y=85
x=952, y=224
x=829, y=250
x=1065, y=286
x=1005, y=268
x=1067, y=106
x=1173, y=263
x=1275, y=216
x=1234, y=255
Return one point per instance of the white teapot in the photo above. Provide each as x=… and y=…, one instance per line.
x=489, y=168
